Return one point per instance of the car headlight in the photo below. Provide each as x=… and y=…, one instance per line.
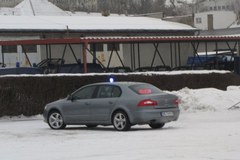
x=45, y=108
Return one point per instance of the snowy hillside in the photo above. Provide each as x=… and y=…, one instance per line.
x=39, y=7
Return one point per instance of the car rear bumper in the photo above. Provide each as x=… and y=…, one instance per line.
x=156, y=116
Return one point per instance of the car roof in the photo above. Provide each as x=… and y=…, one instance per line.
x=125, y=83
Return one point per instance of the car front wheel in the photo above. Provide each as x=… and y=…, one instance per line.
x=55, y=120
x=156, y=125
x=120, y=121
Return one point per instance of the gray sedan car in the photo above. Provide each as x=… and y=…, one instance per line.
x=121, y=104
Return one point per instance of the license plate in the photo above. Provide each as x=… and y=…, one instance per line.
x=167, y=114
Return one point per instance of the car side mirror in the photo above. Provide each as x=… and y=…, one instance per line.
x=70, y=97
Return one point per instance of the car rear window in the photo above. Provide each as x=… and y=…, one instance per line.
x=144, y=89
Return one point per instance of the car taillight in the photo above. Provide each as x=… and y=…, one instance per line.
x=147, y=102
x=176, y=101
x=144, y=91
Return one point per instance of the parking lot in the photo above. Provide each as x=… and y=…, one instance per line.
x=196, y=135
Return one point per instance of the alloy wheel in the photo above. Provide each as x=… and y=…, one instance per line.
x=121, y=122
x=55, y=121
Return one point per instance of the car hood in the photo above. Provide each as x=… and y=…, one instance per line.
x=57, y=102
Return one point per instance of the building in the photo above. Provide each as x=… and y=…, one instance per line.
x=211, y=20
x=33, y=8
x=215, y=5
x=215, y=14
x=32, y=23
x=9, y=3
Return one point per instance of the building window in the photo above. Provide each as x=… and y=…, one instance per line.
x=219, y=7
x=198, y=20
x=210, y=8
x=215, y=8
x=30, y=48
x=9, y=49
x=98, y=47
x=223, y=7
x=116, y=46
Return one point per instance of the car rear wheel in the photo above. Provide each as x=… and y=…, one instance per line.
x=55, y=120
x=156, y=125
x=120, y=121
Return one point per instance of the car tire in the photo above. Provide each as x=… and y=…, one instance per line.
x=55, y=120
x=156, y=125
x=120, y=121
x=91, y=126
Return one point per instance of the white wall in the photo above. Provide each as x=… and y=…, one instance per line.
x=103, y=56
x=10, y=59
x=221, y=19
x=57, y=52
x=147, y=53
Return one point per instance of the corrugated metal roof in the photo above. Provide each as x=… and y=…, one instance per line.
x=82, y=40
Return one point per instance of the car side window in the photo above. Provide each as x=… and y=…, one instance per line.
x=108, y=91
x=85, y=93
x=116, y=92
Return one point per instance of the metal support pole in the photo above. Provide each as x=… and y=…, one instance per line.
x=50, y=51
x=47, y=51
x=232, y=50
x=96, y=59
x=179, y=53
x=171, y=54
x=134, y=56
x=25, y=52
x=175, y=49
x=85, y=45
x=139, y=60
x=195, y=53
x=216, y=59
x=238, y=48
x=94, y=53
x=3, y=62
x=110, y=58
x=75, y=57
x=131, y=54
x=154, y=56
x=206, y=49
x=64, y=51
x=114, y=47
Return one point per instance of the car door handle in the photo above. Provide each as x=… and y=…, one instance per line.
x=87, y=103
x=110, y=102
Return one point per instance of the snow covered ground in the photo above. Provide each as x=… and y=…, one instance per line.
x=206, y=130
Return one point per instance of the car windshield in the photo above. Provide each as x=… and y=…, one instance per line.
x=144, y=89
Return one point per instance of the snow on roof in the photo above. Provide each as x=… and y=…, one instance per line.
x=88, y=23
x=39, y=7
x=236, y=24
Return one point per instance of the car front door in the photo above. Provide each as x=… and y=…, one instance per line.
x=77, y=108
x=101, y=106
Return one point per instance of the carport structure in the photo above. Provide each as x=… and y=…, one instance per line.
x=173, y=43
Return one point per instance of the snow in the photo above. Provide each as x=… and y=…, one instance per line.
x=43, y=15
x=206, y=129
x=208, y=99
x=87, y=23
x=130, y=73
